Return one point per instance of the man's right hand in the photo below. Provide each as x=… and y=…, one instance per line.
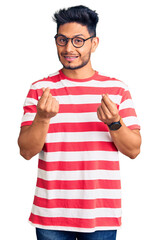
x=47, y=106
x=32, y=138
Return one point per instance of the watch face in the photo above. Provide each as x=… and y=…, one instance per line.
x=115, y=126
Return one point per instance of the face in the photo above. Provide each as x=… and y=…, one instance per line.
x=71, y=57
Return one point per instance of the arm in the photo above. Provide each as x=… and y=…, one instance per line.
x=32, y=138
x=127, y=141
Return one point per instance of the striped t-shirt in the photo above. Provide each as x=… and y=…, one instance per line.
x=78, y=184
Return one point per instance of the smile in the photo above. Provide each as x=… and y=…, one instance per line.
x=70, y=58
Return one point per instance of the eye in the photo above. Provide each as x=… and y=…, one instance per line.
x=78, y=40
x=61, y=40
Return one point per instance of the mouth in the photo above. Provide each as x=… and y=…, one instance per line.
x=70, y=58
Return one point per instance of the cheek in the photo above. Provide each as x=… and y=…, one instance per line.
x=85, y=52
x=58, y=50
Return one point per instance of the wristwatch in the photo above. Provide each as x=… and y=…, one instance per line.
x=115, y=126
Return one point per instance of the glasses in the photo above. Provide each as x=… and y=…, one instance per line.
x=77, y=42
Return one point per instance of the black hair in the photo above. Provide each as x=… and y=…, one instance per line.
x=79, y=14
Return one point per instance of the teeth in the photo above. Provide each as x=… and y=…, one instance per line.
x=70, y=57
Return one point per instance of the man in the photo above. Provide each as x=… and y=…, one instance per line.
x=78, y=120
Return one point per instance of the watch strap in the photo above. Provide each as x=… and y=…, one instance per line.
x=115, y=125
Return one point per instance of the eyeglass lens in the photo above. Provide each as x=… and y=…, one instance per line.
x=77, y=41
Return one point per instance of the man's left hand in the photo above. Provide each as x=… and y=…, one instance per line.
x=107, y=112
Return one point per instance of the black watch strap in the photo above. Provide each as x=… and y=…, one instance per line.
x=115, y=126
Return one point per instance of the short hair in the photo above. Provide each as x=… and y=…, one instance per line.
x=79, y=14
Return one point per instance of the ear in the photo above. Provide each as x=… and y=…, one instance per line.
x=95, y=43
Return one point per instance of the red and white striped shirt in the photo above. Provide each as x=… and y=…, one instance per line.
x=78, y=183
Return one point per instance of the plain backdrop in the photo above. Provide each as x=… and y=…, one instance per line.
x=129, y=51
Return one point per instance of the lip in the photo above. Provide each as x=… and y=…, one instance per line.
x=70, y=58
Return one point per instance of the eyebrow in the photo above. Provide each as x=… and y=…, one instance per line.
x=77, y=35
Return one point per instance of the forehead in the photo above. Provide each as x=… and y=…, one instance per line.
x=73, y=29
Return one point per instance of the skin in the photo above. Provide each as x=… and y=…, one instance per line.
x=32, y=138
x=127, y=141
x=83, y=54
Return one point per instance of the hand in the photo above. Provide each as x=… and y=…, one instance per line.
x=107, y=112
x=47, y=106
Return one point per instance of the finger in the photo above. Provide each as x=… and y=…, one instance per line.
x=55, y=105
x=48, y=103
x=101, y=113
x=108, y=103
x=44, y=96
x=105, y=110
x=106, y=99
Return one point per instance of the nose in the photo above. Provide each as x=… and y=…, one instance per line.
x=69, y=46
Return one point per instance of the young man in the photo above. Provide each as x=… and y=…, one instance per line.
x=78, y=120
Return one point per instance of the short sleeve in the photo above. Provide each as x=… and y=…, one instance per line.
x=29, y=107
x=127, y=111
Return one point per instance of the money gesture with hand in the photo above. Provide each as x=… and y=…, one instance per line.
x=47, y=106
x=107, y=112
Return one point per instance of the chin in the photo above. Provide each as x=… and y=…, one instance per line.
x=72, y=67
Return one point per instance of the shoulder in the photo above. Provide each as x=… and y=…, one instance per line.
x=111, y=81
x=46, y=81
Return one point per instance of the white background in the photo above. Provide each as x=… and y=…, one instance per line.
x=129, y=51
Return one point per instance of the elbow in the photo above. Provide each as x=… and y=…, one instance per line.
x=134, y=154
x=25, y=155
x=131, y=153
x=136, y=151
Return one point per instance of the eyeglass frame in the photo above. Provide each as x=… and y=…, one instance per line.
x=67, y=39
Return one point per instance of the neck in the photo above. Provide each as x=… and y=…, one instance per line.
x=81, y=73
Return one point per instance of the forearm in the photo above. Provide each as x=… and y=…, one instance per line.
x=32, y=139
x=127, y=141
